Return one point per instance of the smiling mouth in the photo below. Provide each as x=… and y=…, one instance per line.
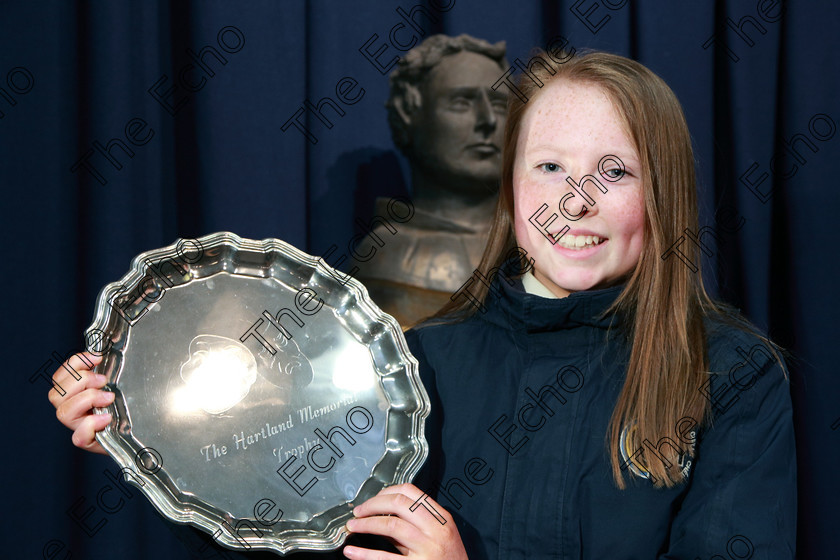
x=578, y=242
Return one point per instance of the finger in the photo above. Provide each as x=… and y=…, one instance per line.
x=71, y=387
x=409, y=490
x=71, y=376
x=358, y=553
x=409, y=503
x=73, y=410
x=406, y=488
x=85, y=435
x=85, y=358
x=400, y=530
x=82, y=361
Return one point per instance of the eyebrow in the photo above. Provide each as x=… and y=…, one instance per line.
x=634, y=161
x=555, y=148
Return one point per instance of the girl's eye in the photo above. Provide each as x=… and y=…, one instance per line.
x=549, y=167
x=615, y=174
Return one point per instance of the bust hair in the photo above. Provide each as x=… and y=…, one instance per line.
x=413, y=68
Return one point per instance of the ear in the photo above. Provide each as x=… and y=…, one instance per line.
x=408, y=104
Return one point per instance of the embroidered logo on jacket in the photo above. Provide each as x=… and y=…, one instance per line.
x=637, y=460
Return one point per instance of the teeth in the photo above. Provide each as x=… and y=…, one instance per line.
x=579, y=241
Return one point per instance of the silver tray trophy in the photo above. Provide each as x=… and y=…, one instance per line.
x=260, y=394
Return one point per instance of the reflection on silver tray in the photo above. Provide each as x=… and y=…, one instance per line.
x=260, y=395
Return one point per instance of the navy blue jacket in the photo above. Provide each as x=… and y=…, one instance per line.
x=522, y=395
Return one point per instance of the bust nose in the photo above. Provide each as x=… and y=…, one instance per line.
x=486, y=119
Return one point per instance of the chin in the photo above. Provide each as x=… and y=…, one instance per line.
x=604, y=284
x=578, y=285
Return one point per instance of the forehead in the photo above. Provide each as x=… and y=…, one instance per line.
x=464, y=69
x=574, y=114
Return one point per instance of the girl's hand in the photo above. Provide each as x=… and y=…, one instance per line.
x=74, y=409
x=416, y=524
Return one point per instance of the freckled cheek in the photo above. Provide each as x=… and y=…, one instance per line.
x=527, y=199
x=627, y=219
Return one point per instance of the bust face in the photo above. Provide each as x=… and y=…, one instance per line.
x=456, y=134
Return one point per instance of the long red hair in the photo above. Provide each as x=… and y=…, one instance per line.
x=664, y=302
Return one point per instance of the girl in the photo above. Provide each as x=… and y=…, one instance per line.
x=589, y=400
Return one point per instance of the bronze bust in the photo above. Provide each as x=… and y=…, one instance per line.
x=448, y=122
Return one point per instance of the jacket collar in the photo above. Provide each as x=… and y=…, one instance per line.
x=511, y=307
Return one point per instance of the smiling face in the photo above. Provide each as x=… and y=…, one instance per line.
x=568, y=128
x=457, y=132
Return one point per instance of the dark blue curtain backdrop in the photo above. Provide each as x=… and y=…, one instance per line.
x=758, y=81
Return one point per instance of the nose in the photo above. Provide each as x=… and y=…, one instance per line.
x=486, y=119
x=574, y=206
